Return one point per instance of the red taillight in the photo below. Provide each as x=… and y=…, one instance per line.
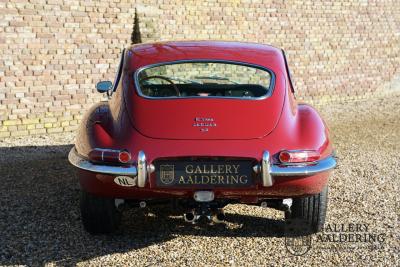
x=109, y=155
x=124, y=156
x=299, y=156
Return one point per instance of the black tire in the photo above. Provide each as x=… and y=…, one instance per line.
x=99, y=215
x=309, y=212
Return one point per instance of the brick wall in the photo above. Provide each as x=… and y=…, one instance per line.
x=54, y=51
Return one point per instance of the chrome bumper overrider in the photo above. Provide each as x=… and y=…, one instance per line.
x=142, y=169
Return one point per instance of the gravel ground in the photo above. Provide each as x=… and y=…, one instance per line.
x=40, y=220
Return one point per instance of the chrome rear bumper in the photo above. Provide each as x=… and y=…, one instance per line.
x=142, y=169
x=86, y=165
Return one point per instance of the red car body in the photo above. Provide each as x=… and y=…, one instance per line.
x=163, y=129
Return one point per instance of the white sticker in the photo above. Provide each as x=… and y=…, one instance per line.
x=125, y=181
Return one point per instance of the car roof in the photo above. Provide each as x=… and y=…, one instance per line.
x=140, y=55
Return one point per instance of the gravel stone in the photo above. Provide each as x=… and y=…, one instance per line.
x=40, y=219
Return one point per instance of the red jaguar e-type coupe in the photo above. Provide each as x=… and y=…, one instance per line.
x=202, y=124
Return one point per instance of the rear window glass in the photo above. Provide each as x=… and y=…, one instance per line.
x=204, y=79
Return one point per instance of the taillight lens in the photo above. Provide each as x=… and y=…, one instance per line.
x=110, y=155
x=124, y=157
x=299, y=156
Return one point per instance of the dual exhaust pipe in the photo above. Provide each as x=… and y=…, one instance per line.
x=189, y=217
x=193, y=217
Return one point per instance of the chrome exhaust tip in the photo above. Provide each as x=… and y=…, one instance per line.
x=219, y=217
x=189, y=217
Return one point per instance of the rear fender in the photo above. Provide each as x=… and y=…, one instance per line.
x=103, y=126
x=302, y=128
x=96, y=129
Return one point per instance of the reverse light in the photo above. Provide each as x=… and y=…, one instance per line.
x=299, y=156
x=109, y=155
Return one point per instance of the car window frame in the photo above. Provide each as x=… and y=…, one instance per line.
x=118, y=74
x=288, y=72
x=267, y=95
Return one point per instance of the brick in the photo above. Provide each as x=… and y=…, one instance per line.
x=11, y=122
x=74, y=122
x=21, y=127
x=65, y=118
x=21, y=111
x=55, y=130
x=5, y=134
x=30, y=121
x=19, y=133
x=13, y=128
x=62, y=97
x=71, y=128
x=48, y=120
x=37, y=131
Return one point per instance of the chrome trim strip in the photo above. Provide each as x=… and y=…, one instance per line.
x=304, y=170
x=141, y=169
x=266, y=172
x=118, y=75
x=268, y=94
x=84, y=164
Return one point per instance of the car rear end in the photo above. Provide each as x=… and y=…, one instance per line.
x=204, y=133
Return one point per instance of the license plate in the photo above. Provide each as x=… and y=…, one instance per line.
x=205, y=174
